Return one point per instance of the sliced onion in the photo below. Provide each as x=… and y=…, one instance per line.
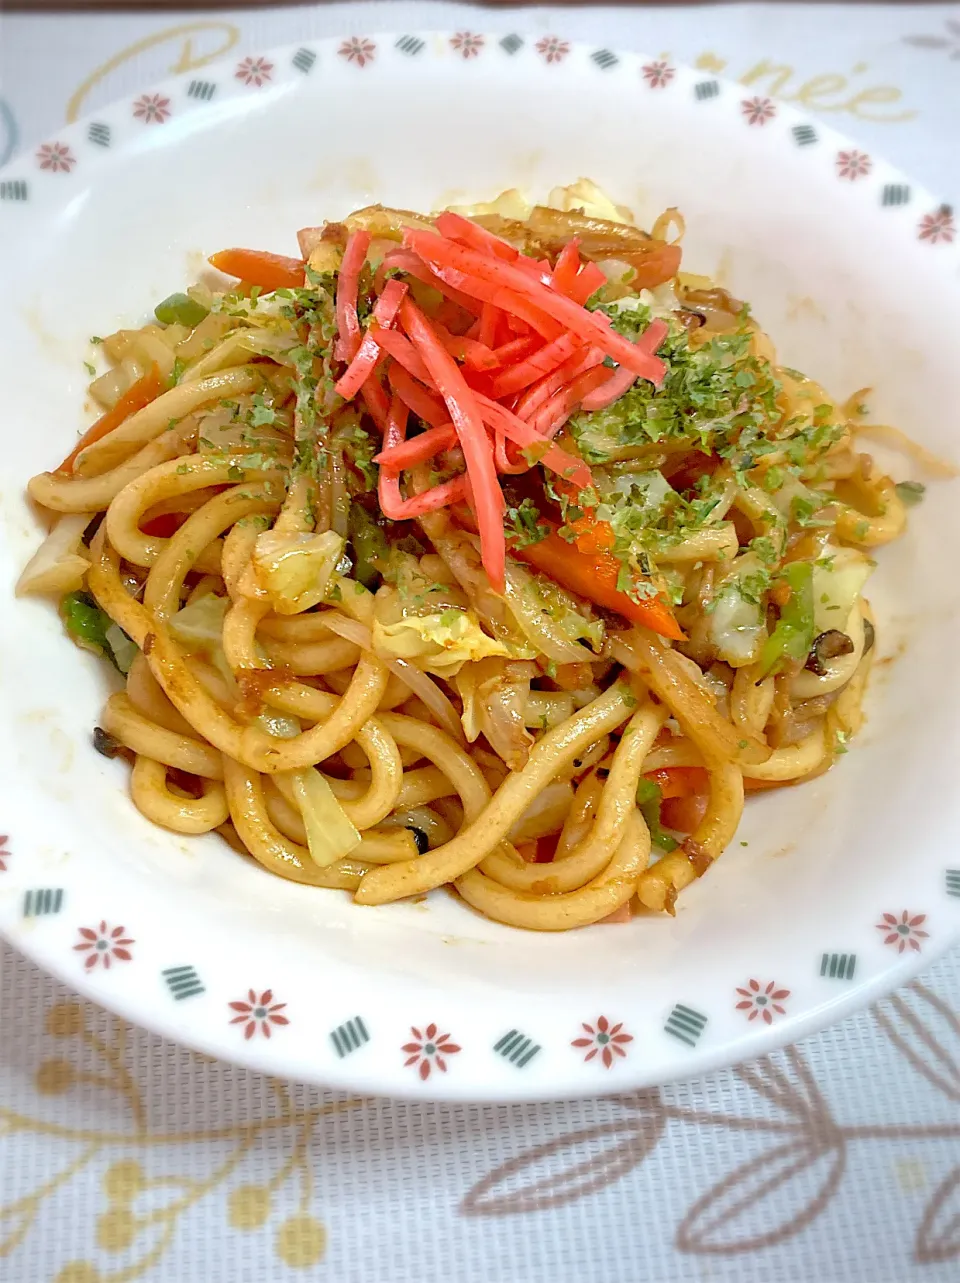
x=544, y=633
x=330, y=834
x=427, y=690
x=498, y=699
x=546, y=709
x=665, y=672
x=58, y=566
x=416, y=681
x=349, y=629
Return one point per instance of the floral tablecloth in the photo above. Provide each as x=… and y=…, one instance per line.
x=124, y=1158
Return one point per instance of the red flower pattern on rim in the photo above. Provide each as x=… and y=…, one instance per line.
x=258, y=1013
x=552, y=48
x=103, y=945
x=466, y=44
x=762, y=1000
x=57, y=157
x=938, y=226
x=658, y=74
x=903, y=932
x=853, y=165
x=429, y=1050
x=5, y=852
x=254, y=71
x=758, y=110
x=358, y=49
x=605, y=1041
x=152, y=109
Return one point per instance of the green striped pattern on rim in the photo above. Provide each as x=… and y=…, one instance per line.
x=686, y=1024
x=42, y=901
x=349, y=1036
x=838, y=966
x=517, y=1048
x=183, y=982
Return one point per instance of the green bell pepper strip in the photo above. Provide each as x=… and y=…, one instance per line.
x=794, y=633
x=180, y=309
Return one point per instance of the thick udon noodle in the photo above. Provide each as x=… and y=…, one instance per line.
x=386, y=735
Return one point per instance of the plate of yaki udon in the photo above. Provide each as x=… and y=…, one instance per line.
x=451, y=617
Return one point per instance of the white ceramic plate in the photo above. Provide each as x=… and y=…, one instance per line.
x=832, y=893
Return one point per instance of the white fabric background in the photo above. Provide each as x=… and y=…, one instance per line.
x=869, y=1112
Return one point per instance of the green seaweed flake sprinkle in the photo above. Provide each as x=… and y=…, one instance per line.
x=718, y=396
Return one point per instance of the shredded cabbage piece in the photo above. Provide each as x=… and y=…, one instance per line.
x=736, y=621
x=511, y=204
x=200, y=625
x=58, y=566
x=124, y=650
x=494, y=694
x=583, y=195
x=439, y=643
x=838, y=582
x=278, y=725
x=549, y=619
x=295, y=569
x=586, y=195
x=330, y=835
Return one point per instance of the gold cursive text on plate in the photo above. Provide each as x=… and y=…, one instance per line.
x=188, y=56
x=827, y=92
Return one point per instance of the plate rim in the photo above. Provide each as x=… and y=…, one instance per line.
x=389, y=1077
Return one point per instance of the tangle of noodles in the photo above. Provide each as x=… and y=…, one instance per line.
x=354, y=696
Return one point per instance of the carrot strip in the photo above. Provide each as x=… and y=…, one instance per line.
x=415, y=396
x=259, y=267
x=465, y=414
x=348, y=284
x=595, y=578
x=472, y=272
x=368, y=353
x=146, y=389
x=679, y=781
